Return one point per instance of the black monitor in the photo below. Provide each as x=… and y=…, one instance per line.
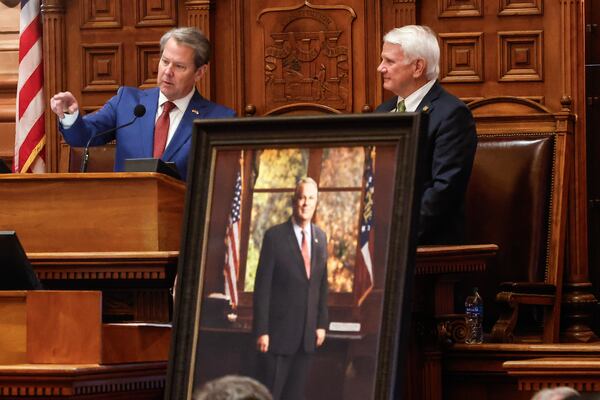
x=152, y=165
x=16, y=272
x=4, y=169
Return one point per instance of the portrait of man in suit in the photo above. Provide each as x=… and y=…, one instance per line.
x=165, y=129
x=290, y=296
x=410, y=68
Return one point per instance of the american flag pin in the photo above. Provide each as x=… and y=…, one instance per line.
x=195, y=112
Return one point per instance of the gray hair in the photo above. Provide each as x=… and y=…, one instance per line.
x=307, y=180
x=190, y=37
x=557, y=393
x=418, y=42
x=233, y=387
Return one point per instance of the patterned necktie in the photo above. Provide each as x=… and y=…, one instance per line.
x=400, y=107
x=161, y=130
x=305, y=255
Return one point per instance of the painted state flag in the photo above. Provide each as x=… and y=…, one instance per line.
x=363, y=279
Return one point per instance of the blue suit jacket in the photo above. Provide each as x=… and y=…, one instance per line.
x=448, y=154
x=137, y=139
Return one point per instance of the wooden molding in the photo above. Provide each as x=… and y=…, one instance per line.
x=459, y=8
x=148, y=56
x=461, y=57
x=520, y=7
x=520, y=56
x=101, y=14
x=102, y=67
x=156, y=13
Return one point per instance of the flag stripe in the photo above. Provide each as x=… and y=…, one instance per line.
x=29, y=130
x=30, y=89
x=33, y=112
x=30, y=63
x=367, y=259
x=31, y=34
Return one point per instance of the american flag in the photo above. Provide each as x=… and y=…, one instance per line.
x=232, y=242
x=29, y=138
x=364, y=262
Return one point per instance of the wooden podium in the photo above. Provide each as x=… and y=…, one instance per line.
x=101, y=212
x=115, y=232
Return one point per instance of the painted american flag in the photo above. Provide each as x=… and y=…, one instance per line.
x=30, y=139
x=364, y=262
x=232, y=243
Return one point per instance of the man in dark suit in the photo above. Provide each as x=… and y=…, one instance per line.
x=290, y=296
x=410, y=68
x=165, y=130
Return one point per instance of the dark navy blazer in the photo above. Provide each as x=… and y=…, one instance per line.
x=448, y=155
x=137, y=140
x=288, y=306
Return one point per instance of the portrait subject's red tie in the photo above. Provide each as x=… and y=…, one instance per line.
x=161, y=130
x=305, y=254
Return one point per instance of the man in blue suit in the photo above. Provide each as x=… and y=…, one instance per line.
x=410, y=68
x=165, y=130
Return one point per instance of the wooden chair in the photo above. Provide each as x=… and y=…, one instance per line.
x=517, y=198
x=102, y=158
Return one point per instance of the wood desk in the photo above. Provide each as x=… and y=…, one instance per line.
x=135, y=285
x=582, y=374
x=83, y=381
x=435, y=323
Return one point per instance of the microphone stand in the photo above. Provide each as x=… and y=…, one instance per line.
x=86, y=150
x=86, y=157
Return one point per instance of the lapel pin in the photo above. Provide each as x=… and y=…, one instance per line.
x=316, y=240
x=426, y=109
x=195, y=111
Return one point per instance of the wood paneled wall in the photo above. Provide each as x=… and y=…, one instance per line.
x=295, y=56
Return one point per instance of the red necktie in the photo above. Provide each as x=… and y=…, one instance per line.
x=161, y=130
x=305, y=255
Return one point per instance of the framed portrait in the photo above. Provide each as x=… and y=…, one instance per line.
x=244, y=272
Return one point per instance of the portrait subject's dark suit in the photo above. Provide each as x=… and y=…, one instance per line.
x=137, y=139
x=448, y=160
x=288, y=306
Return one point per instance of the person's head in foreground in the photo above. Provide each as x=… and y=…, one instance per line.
x=233, y=387
x=557, y=393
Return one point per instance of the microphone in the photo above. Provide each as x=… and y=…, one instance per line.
x=138, y=111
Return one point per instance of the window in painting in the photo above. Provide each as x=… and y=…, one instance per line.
x=339, y=173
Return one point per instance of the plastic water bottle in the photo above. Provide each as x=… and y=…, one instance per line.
x=474, y=318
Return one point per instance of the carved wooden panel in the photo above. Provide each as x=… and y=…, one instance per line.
x=520, y=7
x=102, y=67
x=98, y=14
x=459, y=8
x=461, y=57
x=148, y=55
x=198, y=12
x=520, y=56
x=156, y=13
x=404, y=13
x=307, y=55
